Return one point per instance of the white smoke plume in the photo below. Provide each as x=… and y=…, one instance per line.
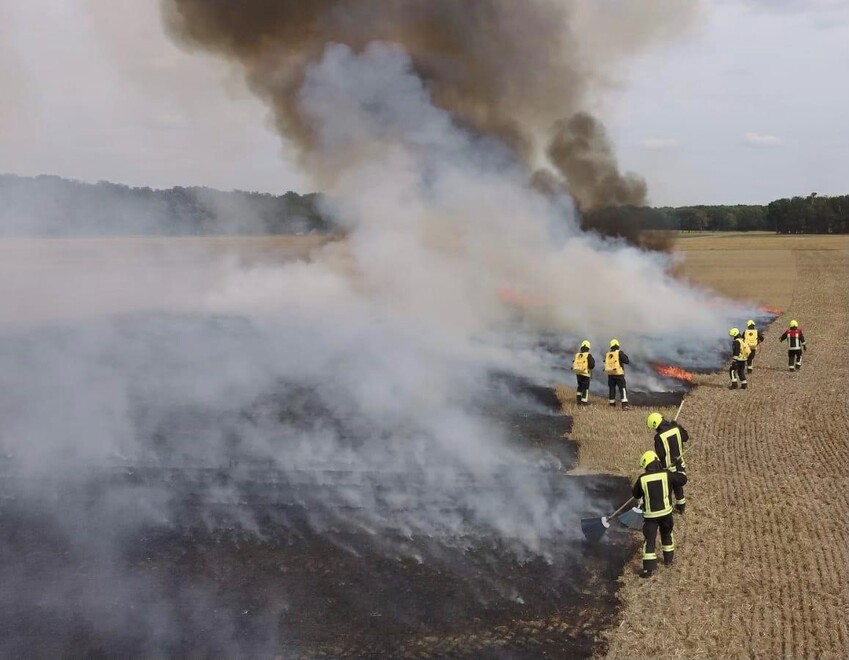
x=363, y=378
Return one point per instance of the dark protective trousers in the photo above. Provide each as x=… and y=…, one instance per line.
x=794, y=359
x=750, y=361
x=583, y=392
x=680, y=500
x=737, y=372
x=614, y=382
x=667, y=541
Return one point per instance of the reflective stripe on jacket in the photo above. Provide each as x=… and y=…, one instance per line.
x=671, y=444
x=794, y=336
x=655, y=492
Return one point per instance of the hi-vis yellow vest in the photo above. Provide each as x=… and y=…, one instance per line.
x=580, y=365
x=743, y=350
x=611, y=364
x=752, y=338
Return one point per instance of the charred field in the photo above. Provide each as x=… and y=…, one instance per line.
x=162, y=549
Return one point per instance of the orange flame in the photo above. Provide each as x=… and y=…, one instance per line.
x=771, y=310
x=674, y=372
x=510, y=296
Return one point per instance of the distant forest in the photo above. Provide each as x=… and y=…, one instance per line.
x=53, y=206
x=813, y=214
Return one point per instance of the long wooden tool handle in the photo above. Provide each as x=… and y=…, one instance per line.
x=627, y=505
x=679, y=411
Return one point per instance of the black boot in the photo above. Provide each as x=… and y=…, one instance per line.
x=669, y=557
x=649, y=567
x=732, y=386
x=744, y=386
x=679, y=508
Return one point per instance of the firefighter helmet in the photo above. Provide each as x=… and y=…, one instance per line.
x=647, y=459
x=734, y=332
x=750, y=324
x=654, y=420
x=614, y=342
x=794, y=324
x=586, y=343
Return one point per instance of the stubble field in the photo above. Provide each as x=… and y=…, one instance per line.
x=763, y=554
x=762, y=566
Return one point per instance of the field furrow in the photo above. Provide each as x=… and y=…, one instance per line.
x=763, y=553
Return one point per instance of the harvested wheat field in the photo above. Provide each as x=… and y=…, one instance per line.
x=762, y=565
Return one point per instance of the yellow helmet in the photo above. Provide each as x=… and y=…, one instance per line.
x=586, y=343
x=794, y=324
x=654, y=420
x=734, y=332
x=614, y=342
x=647, y=459
x=751, y=324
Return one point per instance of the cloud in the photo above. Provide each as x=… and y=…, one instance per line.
x=659, y=143
x=761, y=139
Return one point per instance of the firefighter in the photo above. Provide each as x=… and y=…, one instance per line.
x=582, y=365
x=669, y=442
x=653, y=488
x=753, y=337
x=614, y=363
x=739, y=355
x=796, y=344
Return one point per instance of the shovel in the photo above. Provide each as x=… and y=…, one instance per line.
x=594, y=528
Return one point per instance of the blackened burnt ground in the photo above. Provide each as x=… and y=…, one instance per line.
x=169, y=552
x=187, y=590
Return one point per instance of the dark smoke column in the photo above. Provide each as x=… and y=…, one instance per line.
x=506, y=69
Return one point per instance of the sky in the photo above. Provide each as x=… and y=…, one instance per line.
x=748, y=106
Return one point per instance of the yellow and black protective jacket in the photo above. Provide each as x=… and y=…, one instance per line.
x=654, y=487
x=740, y=349
x=669, y=444
x=614, y=361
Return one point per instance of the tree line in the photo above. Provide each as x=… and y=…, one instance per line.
x=813, y=214
x=53, y=206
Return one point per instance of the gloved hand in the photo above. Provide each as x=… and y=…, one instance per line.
x=678, y=462
x=804, y=348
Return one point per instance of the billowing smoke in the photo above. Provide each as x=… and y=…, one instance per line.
x=360, y=393
x=582, y=151
x=520, y=73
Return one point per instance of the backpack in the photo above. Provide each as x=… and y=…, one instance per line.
x=581, y=363
x=751, y=337
x=612, y=366
x=745, y=350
